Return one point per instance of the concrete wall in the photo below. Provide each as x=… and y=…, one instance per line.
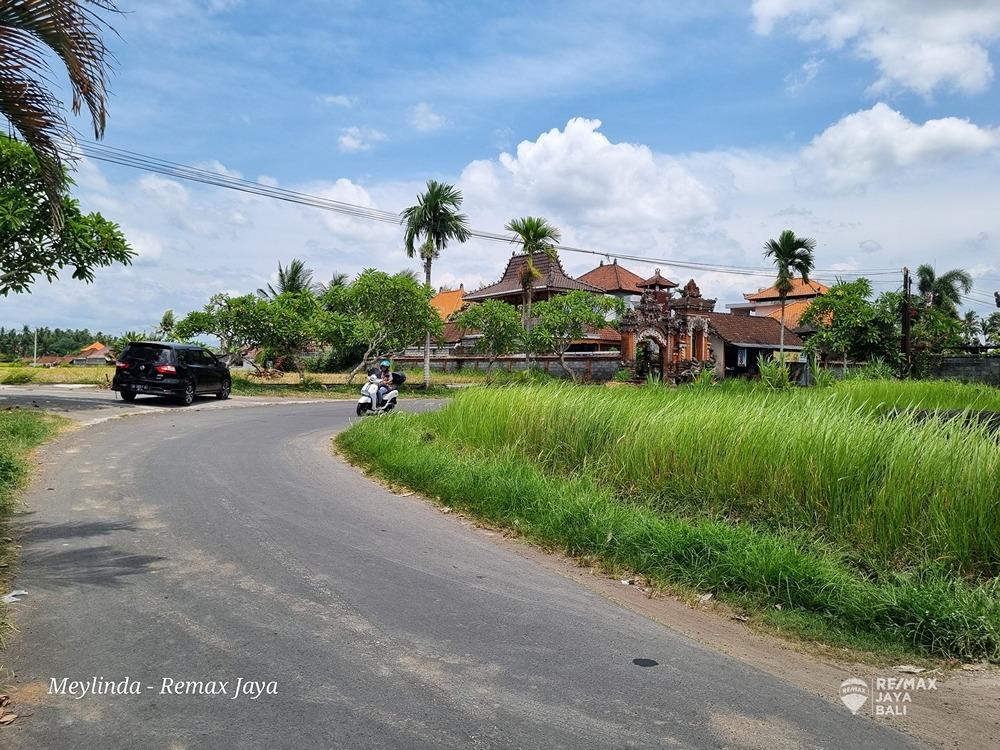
x=969, y=369
x=597, y=367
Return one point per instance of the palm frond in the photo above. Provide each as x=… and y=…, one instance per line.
x=71, y=29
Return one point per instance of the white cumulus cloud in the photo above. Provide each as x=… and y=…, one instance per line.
x=426, y=120
x=920, y=45
x=356, y=138
x=862, y=146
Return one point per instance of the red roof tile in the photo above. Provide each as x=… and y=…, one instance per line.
x=751, y=330
x=613, y=278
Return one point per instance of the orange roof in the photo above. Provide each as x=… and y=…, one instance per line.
x=799, y=289
x=793, y=312
x=613, y=278
x=447, y=303
x=93, y=347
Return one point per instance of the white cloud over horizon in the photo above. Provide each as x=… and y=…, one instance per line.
x=876, y=189
x=918, y=45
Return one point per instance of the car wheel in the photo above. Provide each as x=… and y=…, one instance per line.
x=127, y=395
x=187, y=398
x=223, y=393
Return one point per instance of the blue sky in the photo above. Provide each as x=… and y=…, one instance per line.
x=686, y=130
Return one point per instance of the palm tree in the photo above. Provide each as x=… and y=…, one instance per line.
x=536, y=236
x=945, y=291
x=432, y=223
x=71, y=31
x=294, y=277
x=973, y=327
x=337, y=280
x=792, y=256
x=991, y=329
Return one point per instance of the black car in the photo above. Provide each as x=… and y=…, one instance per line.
x=161, y=368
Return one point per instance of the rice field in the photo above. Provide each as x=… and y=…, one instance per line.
x=850, y=514
x=862, y=464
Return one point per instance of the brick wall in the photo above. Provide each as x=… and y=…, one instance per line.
x=595, y=367
x=969, y=369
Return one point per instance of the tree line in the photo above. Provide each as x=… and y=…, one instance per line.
x=17, y=343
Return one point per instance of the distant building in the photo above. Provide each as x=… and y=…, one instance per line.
x=615, y=280
x=658, y=283
x=767, y=302
x=552, y=280
x=94, y=354
x=447, y=302
x=675, y=338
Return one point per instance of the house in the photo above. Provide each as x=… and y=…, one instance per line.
x=447, y=302
x=552, y=280
x=615, y=280
x=739, y=340
x=94, y=354
x=767, y=302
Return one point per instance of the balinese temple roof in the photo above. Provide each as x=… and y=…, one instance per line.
x=553, y=279
x=657, y=281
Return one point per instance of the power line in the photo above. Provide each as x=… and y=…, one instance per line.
x=136, y=160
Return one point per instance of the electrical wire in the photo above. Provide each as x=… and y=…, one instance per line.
x=136, y=160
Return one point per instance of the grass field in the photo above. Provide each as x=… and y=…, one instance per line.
x=103, y=375
x=861, y=520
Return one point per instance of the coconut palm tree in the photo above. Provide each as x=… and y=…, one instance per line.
x=336, y=281
x=294, y=277
x=792, y=256
x=430, y=225
x=33, y=32
x=945, y=291
x=536, y=237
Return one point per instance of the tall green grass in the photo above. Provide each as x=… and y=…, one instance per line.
x=900, y=490
x=20, y=431
x=821, y=591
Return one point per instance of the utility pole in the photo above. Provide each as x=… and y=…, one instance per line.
x=907, y=354
x=34, y=356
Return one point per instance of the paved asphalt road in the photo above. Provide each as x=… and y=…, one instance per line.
x=228, y=543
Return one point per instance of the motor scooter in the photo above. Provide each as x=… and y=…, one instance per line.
x=368, y=403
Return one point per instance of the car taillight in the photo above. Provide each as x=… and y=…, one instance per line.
x=119, y=365
x=166, y=369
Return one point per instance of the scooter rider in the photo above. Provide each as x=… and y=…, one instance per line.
x=386, y=376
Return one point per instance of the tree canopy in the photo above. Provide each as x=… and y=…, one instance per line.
x=385, y=313
x=29, y=245
x=565, y=318
x=848, y=323
x=498, y=325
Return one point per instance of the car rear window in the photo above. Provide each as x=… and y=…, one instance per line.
x=156, y=355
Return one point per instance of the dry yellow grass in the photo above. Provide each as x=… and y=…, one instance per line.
x=103, y=375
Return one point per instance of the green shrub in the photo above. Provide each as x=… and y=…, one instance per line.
x=774, y=373
x=624, y=375
x=17, y=376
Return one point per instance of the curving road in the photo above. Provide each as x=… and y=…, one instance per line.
x=227, y=542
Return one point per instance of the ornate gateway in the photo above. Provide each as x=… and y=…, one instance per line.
x=665, y=336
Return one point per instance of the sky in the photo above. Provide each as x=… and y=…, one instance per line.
x=681, y=131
